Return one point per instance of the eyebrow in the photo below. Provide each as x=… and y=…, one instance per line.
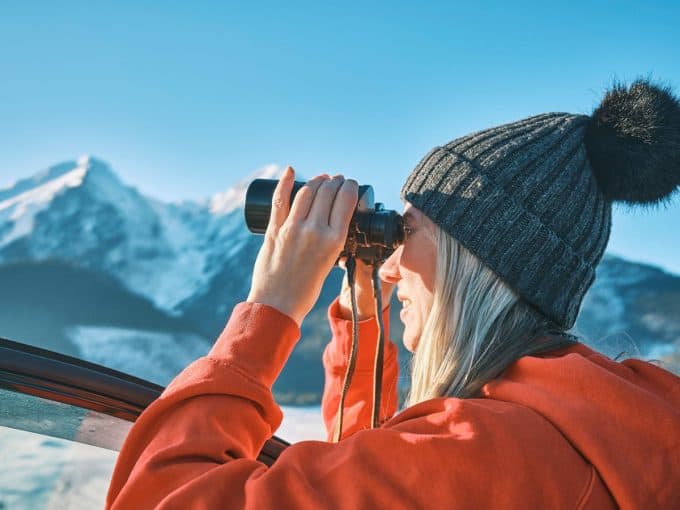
x=409, y=216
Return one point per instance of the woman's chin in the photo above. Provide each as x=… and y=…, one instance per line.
x=409, y=341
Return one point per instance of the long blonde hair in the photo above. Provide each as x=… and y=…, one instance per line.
x=476, y=327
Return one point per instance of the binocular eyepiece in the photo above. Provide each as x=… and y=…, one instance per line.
x=374, y=232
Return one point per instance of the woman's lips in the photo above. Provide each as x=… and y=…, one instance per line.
x=404, y=300
x=405, y=303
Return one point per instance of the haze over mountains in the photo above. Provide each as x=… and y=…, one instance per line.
x=94, y=268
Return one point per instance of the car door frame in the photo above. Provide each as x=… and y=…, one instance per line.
x=30, y=370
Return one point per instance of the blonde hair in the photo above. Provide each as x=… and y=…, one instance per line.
x=476, y=327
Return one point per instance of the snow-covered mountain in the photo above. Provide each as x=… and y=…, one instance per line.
x=634, y=310
x=81, y=212
x=106, y=265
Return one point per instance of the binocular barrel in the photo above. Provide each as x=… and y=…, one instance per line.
x=259, y=203
x=372, y=225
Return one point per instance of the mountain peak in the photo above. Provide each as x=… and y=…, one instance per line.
x=92, y=163
x=95, y=167
x=84, y=160
x=68, y=173
x=20, y=203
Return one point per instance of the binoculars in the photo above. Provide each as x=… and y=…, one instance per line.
x=374, y=232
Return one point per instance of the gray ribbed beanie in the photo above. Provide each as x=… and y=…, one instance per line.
x=532, y=199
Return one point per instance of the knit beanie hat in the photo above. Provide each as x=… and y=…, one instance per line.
x=533, y=199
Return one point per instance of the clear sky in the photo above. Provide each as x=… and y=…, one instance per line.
x=184, y=98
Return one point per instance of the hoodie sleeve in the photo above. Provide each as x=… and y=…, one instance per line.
x=359, y=398
x=217, y=410
x=197, y=444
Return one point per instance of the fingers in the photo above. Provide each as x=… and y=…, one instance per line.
x=319, y=212
x=344, y=205
x=281, y=199
x=326, y=202
x=304, y=198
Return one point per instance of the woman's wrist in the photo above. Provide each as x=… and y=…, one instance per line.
x=280, y=303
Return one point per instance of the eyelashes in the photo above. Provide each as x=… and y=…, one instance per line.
x=408, y=231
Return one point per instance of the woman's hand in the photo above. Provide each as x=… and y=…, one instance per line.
x=302, y=242
x=364, y=293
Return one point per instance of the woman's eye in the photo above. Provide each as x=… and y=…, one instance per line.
x=408, y=231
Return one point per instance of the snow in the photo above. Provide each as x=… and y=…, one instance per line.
x=183, y=272
x=235, y=197
x=604, y=300
x=150, y=355
x=22, y=208
x=84, y=160
x=44, y=472
x=166, y=252
x=43, y=193
x=610, y=292
x=38, y=179
x=301, y=424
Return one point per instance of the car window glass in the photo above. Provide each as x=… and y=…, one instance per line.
x=55, y=455
x=39, y=471
x=59, y=420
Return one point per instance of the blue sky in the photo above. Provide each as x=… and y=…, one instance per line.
x=185, y=98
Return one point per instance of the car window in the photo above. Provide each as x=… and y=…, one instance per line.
x=34, y=414
x=55, y=455
x=62, y=418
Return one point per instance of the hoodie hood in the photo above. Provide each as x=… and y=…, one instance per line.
x=624, y=418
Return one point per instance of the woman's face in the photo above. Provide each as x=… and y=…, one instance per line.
x=413, y=267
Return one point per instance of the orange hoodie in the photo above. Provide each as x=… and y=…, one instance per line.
x=571, y=429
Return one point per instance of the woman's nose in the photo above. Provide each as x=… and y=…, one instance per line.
x=389, y=271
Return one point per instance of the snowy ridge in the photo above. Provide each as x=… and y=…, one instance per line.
x=235, y=197
x=631, y=309
x=22, y=185
x=81, y=212
x=163, y=355
x=23, y=201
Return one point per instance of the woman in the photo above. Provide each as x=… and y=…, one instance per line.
x=504, y=230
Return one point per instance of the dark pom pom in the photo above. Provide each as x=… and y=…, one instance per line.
x=633, y=143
